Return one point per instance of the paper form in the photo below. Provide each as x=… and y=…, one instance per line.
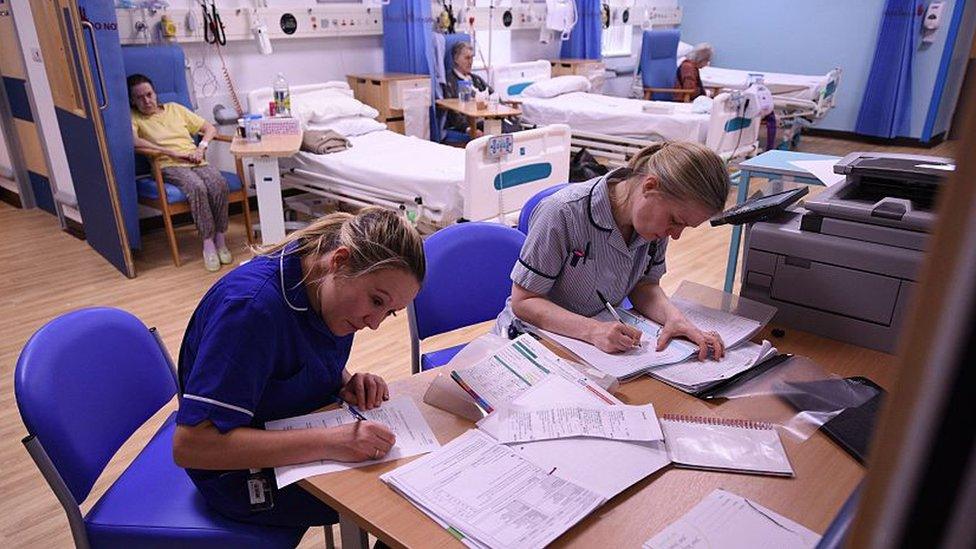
x=693, y=372
x=400, y=415
x=509, y=371
x=606, y=467
x=822, y=170
x=726, y=520
x=734, y=329
x=491, y=494
x=630, y=362
x=554, y=421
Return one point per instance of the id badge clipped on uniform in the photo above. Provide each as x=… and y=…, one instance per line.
x=260, y=490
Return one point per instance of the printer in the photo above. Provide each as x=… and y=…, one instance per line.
x=845, y=265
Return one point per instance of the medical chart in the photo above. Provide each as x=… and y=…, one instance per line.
x=604, y=466
x=492, y=495
x=400, y=415
x=546, y=421
x=509, y=371
x=726, y=520
x=732, y=328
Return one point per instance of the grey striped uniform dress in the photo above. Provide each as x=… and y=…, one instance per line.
x=574, y=248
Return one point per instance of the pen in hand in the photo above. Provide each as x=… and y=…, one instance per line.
x=613, y=312
x=355, y=413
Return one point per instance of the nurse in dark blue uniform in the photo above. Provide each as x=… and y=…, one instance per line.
x=270, y=340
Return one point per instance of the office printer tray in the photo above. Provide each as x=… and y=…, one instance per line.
x=835, y=202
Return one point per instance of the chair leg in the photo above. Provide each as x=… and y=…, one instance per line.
x=171, y=236
x=329, y=537
x=246, y=206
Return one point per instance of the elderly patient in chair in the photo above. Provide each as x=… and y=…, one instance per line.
x=166, y=131
x=463, y=55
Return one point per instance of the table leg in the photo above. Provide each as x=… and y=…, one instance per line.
x=493, y=126
x=350, y=535
x=730, y=267
x=268, y=184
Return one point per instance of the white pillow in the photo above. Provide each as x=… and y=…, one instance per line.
x=557, y=86
x=684, y=48
x=348, y=126
x=323, y=105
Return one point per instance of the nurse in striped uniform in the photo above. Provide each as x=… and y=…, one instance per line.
x=610, y=235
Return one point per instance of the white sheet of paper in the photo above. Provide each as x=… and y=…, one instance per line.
x=693, y=372
x=821, y=169
x=734, y=329
x=607, y=467
x=555, y=421
x=489, y=492
x=726, y=520
x=400, y=414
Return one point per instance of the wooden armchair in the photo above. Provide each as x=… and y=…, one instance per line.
x=678, y=94
x=171, y=201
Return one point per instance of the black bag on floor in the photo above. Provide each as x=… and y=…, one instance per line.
x=583, y=166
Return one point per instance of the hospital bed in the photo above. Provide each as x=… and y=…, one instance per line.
x=433, y=184
x=615, y=128
x=798, y=99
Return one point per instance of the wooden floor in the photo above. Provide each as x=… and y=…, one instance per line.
x=47, y=272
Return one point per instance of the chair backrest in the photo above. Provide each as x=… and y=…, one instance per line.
x=449, y=41
x=659, y=59
x=84, y=383
x=468, y=270
x=166, y=66
x=526, y=214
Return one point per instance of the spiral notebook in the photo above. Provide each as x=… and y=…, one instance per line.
x=725, y=445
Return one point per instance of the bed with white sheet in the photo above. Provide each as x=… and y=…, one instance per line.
x=615, y=128
x=433, y=184
x=618, y=116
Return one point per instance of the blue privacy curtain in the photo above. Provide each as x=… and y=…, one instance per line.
x=886, y=107
x=408, y=43
x=585, y=40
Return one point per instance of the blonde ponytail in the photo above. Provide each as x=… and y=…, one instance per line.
x=685, y=171
x=376, y=238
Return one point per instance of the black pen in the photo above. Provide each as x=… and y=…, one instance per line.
x=355, y=413
x=606, y=303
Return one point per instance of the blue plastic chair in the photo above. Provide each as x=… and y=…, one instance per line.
x=84, y=383
x=166, y=67
x=468, y=281
x=659, y=65
x=531, y=203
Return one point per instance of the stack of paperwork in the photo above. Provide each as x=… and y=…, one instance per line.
x=732, y=328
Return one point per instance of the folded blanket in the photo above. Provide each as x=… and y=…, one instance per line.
x=324, y=141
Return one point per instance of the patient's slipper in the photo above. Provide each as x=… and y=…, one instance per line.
x=211, y=262
x=224, y=255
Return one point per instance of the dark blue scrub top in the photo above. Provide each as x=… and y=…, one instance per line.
x=249, y=357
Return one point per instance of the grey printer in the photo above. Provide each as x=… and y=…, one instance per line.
x=846, y=266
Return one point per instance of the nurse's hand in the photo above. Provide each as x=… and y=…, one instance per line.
x=365, y=391
x=358, y=441
x=708, y=342
x=614, y=337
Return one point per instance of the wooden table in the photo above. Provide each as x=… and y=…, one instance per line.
x=825, y=474
x=492, y=114
x=264, y=157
